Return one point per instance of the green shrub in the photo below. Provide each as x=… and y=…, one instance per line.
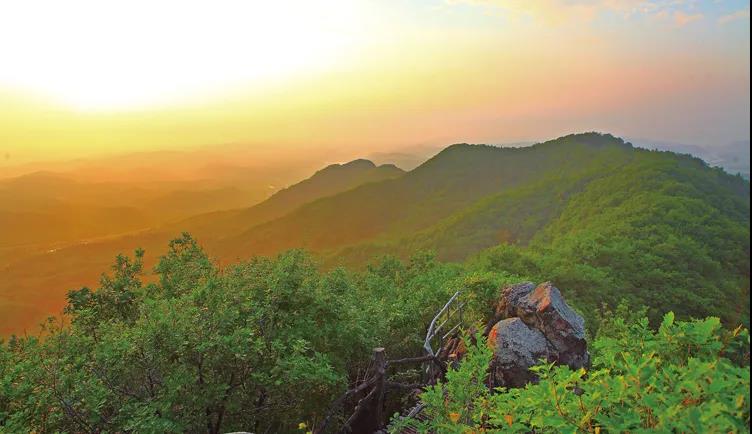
x=678, y=378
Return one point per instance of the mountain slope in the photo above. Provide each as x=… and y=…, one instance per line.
x=666, y=230
x=331, y=180
x=605, y=219
x=513, y=216
x=457, y=177
x=658, y=229
x=519, y=214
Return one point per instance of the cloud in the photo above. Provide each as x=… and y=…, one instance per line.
x=682, y=19
x=738, y=15
x=586, y=10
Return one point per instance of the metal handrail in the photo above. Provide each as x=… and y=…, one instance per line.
x=433, y=329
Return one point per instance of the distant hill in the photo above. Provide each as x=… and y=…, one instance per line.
x=333, y=179
x=45, y=207
x=732, y=157
x=34, y=282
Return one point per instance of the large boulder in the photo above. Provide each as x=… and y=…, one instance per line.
x=516, y=348
x=511, y=298
x=548, y=323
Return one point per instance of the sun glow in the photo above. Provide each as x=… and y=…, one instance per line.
x=89, y=77
x=103, y=55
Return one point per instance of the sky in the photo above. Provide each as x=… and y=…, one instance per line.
x=82, y=78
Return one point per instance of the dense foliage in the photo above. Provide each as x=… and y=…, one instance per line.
x=268, y=343
x=676, y=379
x=260, y=346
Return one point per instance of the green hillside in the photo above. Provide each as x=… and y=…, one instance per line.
x=608, y=220
x=457, y=177
x=268, y=344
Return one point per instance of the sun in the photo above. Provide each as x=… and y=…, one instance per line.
x=104, y=55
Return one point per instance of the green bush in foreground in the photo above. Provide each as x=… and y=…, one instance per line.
x=680, y=378
x=190, y=347
x=267, y=344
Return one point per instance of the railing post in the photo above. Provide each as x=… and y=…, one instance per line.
x=379, y=362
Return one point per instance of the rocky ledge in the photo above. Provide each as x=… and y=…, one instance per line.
x=533, y=323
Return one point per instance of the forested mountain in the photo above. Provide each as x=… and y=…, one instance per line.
x=605, y=219
x=653, y=225
x=588, y=210
x=660, y=228
x=457, y=177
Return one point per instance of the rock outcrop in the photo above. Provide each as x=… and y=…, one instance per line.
x=534, y=323
x=516, y=347
x=531, y=323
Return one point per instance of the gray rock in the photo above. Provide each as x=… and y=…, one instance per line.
x=511, y=297
x=535, y=322
x=516, y=348
x=544, y=308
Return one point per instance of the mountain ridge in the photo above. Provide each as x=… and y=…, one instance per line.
x=471, y=200
x=455, y=177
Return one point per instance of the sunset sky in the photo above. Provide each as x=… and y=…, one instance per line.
x=89, y=77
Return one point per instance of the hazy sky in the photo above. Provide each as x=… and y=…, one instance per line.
x=84, y=77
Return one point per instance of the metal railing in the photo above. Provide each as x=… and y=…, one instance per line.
x=367, y=413
x=450, y=319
